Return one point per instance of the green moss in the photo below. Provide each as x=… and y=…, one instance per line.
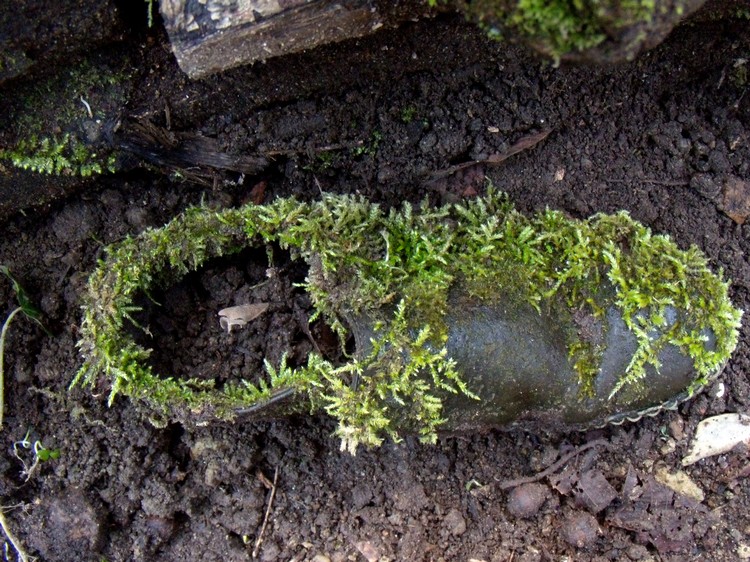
x=60, y=125
x=58, y=155
x=408, y=113
x=398, y=268
x=562, y=25
x=322, y=162
x=371, y=147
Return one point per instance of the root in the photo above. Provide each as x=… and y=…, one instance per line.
x=508, y=484
x=22, y=555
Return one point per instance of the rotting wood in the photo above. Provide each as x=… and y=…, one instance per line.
x=209, y=36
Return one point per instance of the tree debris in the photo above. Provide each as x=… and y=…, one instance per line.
x=736, y=199
x=680, y=482
x=594, y=492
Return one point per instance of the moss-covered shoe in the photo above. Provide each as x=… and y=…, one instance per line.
x=463, y=315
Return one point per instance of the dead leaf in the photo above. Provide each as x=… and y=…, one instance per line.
x=657, y=515
x=594, y=492
x=565, y=480
x=525, y=143
x=630, y=490
x=258, y=192
x=240, y=315
x=717, y=435
x=680, y=482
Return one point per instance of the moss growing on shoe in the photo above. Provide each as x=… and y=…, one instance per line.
x=397, y=267
x=562, y=27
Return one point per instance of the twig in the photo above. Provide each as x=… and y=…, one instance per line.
x=2, y=362
x=304, y=324
x=259, y=540
x=508, y=484
x=22, y=556
x=668, y=183
x=524, y=143
x=313, y=150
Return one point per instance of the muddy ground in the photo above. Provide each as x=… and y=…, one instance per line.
x=666, y=137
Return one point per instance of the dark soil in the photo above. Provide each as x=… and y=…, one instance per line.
x=666, y=137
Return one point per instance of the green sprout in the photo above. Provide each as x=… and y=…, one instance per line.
x=408, y=113
x=26, y=307
x=150, y=12
x=371, y=147
x=40, y=454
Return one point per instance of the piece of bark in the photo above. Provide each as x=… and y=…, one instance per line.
x=209, y=36
x=180, y=150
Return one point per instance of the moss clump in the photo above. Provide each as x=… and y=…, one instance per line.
x=57, y=155
x=398, y=268
x=61, y=125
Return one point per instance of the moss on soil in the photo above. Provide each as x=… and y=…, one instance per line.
x=398, y=267
x=60, y=124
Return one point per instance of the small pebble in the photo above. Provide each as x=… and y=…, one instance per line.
x=677, y=429
x=455, y=522
x=526, y=500
x=637, y=552
x=580, y=529
x=669, y=446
